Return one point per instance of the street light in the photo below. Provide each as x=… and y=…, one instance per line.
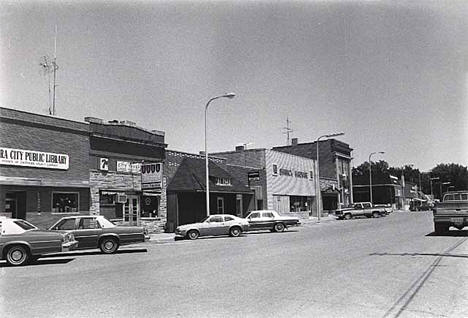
x=230, y=96
x=370, y=173
x=317, y=174
x=430, y=179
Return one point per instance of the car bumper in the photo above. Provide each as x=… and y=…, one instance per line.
x=69, y=246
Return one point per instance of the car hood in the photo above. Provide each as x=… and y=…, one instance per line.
x=189, y=226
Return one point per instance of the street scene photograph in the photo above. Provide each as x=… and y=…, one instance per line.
x=234, y=158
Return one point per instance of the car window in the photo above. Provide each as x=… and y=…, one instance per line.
x=24, y=225
x=254, y=215
x=448, y=197
x=267, y=214
x=88, y=223
x=464, y=196
x=357, y=206
x=66, y=224
x=228, y=218
x=216, y=219
x=366, y=205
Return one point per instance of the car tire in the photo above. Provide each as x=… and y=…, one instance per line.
x=375, y=215
x=441, y=228
x=235, y=231
x=109, y=245
x=193, y=234
x=279, y=227
x=17, y=255
x=348, y=216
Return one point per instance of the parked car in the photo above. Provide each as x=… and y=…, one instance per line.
x=452, y=211
x=22, y=243
x=386, y=208
x=360, y=209
x=98, y=232
x=216, y=224
x=270, y=220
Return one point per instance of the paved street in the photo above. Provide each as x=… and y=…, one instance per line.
x=386, y=267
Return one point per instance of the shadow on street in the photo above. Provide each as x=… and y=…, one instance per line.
x=85, y=253
x=455, y=233
x=41, y=262
x=419, y=254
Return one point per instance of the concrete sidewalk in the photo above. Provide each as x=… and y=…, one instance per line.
x=170, y=237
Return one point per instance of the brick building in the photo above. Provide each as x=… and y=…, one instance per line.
x=281, y=181
x=44, y=167
x=52, y=167
x=336, y=182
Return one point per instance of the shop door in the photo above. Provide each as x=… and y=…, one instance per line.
x=131, y=210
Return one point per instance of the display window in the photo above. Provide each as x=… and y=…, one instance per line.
x=65, y=202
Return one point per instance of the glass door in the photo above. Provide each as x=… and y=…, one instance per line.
x=131, y=210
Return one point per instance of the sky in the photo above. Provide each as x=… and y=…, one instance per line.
x=391, y=75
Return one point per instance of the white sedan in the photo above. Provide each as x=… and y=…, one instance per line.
x=216, y=224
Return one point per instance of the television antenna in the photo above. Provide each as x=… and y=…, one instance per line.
x=49, y=67
x=287, y=130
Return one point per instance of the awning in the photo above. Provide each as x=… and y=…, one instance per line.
x=151, y=194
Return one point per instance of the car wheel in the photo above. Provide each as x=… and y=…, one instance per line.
x=193, y=234
x=109, y=245
x=279, y=227
x=17, y=255
x=348, y=216
x=235, y=231
x=375, y=214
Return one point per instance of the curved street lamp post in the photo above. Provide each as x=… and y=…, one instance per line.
x=317, y=174
x=230, y=96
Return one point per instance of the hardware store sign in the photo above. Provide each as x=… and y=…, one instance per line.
x=32, y=158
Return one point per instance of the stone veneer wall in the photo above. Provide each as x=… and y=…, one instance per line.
x=99, y=180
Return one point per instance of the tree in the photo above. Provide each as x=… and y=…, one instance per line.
x=380, y=166
x=456, y=174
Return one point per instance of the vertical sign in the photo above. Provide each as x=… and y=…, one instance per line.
x=151, y=176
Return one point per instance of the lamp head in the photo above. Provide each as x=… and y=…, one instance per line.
x=335, y=135
x=230, y=95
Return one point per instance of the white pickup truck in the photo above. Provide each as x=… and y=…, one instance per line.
x=452, y=211
x=361, y=209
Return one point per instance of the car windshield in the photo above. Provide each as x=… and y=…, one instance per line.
x=25, y=225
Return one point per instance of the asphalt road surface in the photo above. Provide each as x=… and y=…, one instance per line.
x=386, y=267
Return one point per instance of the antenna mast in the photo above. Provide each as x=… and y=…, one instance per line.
x=55, y=68
x=287, y=130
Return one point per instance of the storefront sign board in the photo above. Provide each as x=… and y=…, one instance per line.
x=33, y=158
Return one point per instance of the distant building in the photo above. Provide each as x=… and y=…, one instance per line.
x=335, y=158
x=281, y=181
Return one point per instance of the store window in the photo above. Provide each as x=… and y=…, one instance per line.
x=275, y=169
x=65, y=202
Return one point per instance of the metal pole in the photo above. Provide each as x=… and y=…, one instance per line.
x=318, y=182
x=370, y=177
x=207, y=181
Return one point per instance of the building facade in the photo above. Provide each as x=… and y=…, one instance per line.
x=280, y=181
x=44, y=167
x=52, y=167
x=186, y=189
x=336, y=181
x=122, y=156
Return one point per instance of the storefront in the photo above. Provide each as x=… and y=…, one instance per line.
x=125, y=177
x=290, y=183
x=43, y=167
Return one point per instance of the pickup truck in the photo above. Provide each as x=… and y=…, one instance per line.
x=452, y=211
x=361, y=209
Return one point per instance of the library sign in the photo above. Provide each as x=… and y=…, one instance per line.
x=32, y=158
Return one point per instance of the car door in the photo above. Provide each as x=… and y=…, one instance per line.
x=87, y=232
x=212, y=226
x=267, y=220
x=255, y=219
x=357, y=210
